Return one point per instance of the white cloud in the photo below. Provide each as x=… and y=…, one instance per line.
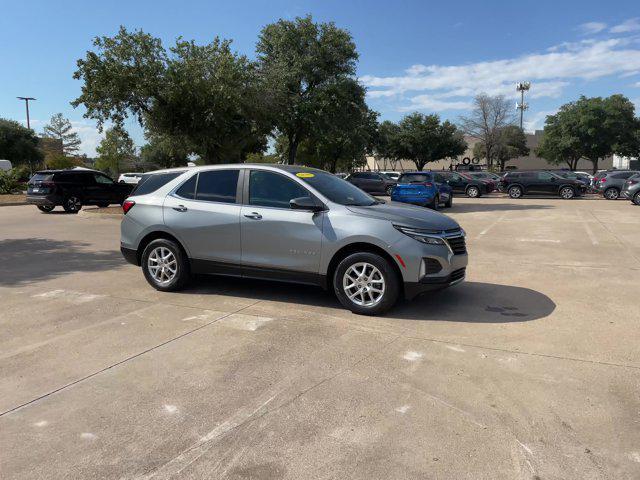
x=89, y=136
x=550, y=73
x=536, y=121
x=591, y=28
x=631, y=25
x=637, y=85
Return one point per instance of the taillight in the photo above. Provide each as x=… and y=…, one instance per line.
x=633, y=182
x=603, y=180
x=429, y=184
x=127, y=205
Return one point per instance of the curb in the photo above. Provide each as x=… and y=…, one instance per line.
x=94, y=212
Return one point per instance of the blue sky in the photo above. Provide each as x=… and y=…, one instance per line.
x=414, y=55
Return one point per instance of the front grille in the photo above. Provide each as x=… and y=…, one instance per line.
x=457, y=274
x=458, y=245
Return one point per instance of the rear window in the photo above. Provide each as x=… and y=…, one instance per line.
x=417, y=178
x=42, y=177
x=151, y=182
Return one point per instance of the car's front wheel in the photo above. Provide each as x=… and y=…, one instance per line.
x=473, y=191
x=636, y=198
x=611, y=193
x=366, y=283
x=515, y=192
x=567, y=193
x=165, y=265
x=45, y=208
x=72, y=204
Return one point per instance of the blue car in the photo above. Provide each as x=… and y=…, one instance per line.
x=420, y=188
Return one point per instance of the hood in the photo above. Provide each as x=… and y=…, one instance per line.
x=407, y=215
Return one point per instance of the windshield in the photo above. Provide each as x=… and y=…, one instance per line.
x=414, y=178
x=336, y=189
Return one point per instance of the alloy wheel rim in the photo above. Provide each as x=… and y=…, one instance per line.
x=567, y=193
x=73, y=203
x=515, y=192
x=162, y=265
x=612, y=194
x=364, y=284
x=473, y=192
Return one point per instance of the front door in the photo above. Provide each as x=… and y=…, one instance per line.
x=105, y=191
x=277, y=240
x=544, y=183
x=456, y=182
x=204, y=213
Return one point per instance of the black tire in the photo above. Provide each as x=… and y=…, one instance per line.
x=611, y=193
x=473, y=191
x=45, y=208
x=636, y=198
x=515, y=191
x=389, y=189
x=567, y=193
x=103, y=205
x=449, y=203
x=72, y=204
x=389, y=275
x=182, y=274
x=435, y=204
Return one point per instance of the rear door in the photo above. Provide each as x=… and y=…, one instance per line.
x=278, y=242
x=204, y=213
x=105, y=189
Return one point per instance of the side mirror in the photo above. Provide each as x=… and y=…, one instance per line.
x=305, y=203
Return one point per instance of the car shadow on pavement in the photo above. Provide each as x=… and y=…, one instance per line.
x=474, y=302
x=25, y=260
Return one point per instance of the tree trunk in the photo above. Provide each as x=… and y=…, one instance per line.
x=293, y=149
x=595, y=165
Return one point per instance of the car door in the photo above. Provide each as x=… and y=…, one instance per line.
x=456, y=182
x=204, y=213
x=105, y=190
x=358, y=179
x=277, y=241
x=545, y=183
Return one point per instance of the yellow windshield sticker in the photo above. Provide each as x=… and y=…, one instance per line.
x=305, y=175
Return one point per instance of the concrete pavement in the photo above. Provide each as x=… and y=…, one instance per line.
x=530, y=369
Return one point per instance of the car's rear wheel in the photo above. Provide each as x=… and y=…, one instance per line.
x=636, y=198
x=611, y=193
x=473, y=192
x=449, y=203
x=165, y=266
x=72, y=204
x=366, y=283
x=515, y=192
x=435, y=204
x=567, y=193
x=389, y=189
x=45, y=208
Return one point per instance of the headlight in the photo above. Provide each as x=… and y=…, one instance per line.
x=421, y=235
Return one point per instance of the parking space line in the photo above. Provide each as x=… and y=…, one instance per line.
x=491, y=225
x=587, y=227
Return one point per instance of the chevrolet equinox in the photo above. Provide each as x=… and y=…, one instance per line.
x=292, y=224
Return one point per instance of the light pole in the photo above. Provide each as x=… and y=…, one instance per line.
x=26, y=101
x=522, y=106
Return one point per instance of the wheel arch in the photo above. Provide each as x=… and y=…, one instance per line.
x=155, y=235
x=358, y=247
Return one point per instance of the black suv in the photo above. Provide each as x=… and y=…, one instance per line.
x=74, y=188
x=517, y=184
x=372, y=182
x=461, y=183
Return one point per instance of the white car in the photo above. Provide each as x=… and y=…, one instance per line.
x=133, y=178
x=5, y=165
x=392, y=175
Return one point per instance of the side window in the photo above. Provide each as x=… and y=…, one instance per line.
x=102, y=179
x=438, y=178
x=218, y=186
x=149, y=183
x=188, y=188
x=545, y=176
x=269, y=189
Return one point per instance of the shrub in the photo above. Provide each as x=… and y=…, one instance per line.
x=9, y=181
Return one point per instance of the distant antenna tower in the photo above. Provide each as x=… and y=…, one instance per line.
x=522, y=106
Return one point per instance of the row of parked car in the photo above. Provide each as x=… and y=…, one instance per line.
x=437, y=188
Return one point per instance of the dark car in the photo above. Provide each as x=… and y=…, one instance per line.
x=421, y=188
x=610, y=185
x=580, y=177
x=72, y=189
x=462, y=183
x=371, y=182
x=631, y=189
x=520, y=183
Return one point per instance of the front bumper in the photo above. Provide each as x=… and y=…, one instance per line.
x=430, y=284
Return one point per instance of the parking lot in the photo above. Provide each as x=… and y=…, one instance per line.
x=530, y=369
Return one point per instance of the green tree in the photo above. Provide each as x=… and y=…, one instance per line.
x=60, y=128
x=205, y=98
x=297, y=60
x=346, y=127
x=423, y=139
x=19, y=144
x=560, y=142
x=59, y=161
x=164, y=152
x=385, y=145
x=490, y=115
x=511, y=143
x=114, y=150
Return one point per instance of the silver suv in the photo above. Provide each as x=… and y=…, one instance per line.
x=289, y=223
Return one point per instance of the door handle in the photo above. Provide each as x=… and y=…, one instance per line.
x=254, y=215
x=180, y=208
